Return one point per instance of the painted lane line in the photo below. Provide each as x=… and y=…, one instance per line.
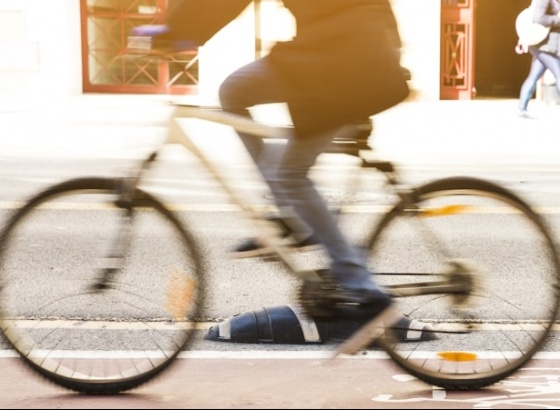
x=209, y=208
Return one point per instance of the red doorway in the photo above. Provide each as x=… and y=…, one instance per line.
x=499, y=70
x=457, y=50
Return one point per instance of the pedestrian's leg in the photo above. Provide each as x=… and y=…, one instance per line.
x=528, y=87
x=551, y=62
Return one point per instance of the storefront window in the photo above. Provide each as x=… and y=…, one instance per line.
x=110, y=66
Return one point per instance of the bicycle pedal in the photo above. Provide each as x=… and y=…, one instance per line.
x=369, y=332
x=270, y=258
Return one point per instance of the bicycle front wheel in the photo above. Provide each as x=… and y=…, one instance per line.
x=474, y=262
x=98, y=298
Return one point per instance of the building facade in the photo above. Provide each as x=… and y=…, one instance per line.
x=455, y=49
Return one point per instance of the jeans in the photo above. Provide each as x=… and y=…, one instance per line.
x=285, y=168
x=540, y=63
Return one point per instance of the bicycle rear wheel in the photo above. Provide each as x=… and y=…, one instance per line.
x=482, y=238
x=55, y=312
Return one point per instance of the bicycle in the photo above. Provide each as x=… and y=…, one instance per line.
x=130, y=302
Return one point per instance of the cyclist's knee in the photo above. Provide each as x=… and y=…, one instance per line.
x=292, y=180
x=235, y=93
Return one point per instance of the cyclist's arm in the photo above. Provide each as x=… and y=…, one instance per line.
x=199, y=20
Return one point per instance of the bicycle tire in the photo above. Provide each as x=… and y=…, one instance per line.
x=53, y=315
x=484, y=234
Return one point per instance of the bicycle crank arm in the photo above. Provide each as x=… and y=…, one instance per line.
x=428, y=288
x=106, y=276
x=369, y=332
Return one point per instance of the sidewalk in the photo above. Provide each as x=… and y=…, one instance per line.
x=455, y=132
x=468, y=132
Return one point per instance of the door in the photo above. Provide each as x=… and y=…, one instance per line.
x=500, y=71
x=108, y=66
x=457, y=49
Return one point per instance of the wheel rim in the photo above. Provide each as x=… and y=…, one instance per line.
x=497, y=326
x=97, y=341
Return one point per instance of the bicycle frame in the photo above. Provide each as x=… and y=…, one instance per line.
x=139, y=284
x=268, y=233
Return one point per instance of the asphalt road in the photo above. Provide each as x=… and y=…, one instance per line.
x=102, y=142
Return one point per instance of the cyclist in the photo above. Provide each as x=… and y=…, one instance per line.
x=340, y=68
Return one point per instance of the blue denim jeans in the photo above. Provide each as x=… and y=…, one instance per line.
x=285, y=168
x=540, y=63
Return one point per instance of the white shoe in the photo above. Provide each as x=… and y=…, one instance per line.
x=524, y=114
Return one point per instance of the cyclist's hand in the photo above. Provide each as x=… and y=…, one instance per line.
x=150, y=30
x=162, y=41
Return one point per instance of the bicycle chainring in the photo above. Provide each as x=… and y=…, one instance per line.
x=315, y=295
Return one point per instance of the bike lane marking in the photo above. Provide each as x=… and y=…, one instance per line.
x=290, y=383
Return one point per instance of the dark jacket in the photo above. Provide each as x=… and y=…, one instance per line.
x=546, y=13
x=342, y=61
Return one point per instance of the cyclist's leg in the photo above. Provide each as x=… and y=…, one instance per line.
x=260, y=83
x=294, y=188
x=254, y=84
x=251, y=85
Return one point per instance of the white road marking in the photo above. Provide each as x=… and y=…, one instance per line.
x=208, y=208
x=251, y=355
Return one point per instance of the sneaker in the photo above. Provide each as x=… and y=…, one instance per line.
x=357, y=304
x=252, y=248
x=324, y=299
x=524, y=114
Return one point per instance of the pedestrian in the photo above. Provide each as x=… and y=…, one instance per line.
x=545, y=55
x=340, y=68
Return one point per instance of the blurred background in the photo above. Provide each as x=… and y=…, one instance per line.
x=455, y=49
